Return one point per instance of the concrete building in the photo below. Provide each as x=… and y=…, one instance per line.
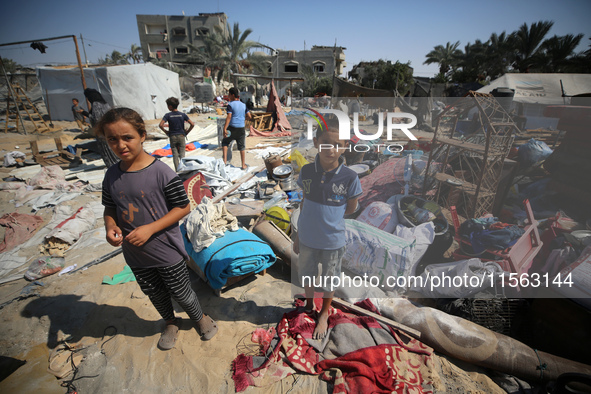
x=168, y=36
x=324, y=60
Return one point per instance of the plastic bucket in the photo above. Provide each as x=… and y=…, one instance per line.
x=279, y=216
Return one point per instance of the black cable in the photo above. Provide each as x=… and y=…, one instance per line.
x=69, y=384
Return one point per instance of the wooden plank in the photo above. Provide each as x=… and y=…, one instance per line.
x=407, y=330
x=245, y=208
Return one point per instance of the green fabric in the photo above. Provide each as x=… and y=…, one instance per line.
x=122, y=277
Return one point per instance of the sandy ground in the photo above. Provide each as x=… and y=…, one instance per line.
x=117, y=328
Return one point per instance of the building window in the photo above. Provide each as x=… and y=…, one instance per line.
x=158, y=50
x=269, y=66
x=181, y=50
x=318, y=67
x=291, y=67
x=179, y=31
x=155, y=29
x=202, y=31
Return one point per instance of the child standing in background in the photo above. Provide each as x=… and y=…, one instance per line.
x=176, y=130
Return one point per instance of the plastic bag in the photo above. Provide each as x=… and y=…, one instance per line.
x=532, y=152
x=297, y=160
x=44, y=266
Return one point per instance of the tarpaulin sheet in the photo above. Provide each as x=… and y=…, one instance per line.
x=237, y=253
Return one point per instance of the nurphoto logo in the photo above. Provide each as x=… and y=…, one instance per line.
x=345, y=124
x=316, y=118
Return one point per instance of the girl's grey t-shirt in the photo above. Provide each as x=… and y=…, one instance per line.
x=142, y=197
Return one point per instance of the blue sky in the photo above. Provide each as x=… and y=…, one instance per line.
x=370, y=30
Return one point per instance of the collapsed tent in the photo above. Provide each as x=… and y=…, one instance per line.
x=142, y=87
x=281, y=126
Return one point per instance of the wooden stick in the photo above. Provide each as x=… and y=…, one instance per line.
x=98, y=260
x=410, y=331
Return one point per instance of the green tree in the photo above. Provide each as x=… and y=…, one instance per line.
x=555, y=53
x=233, y=47
x=209, y=54
x=10, y=65
x=134, y=54
x=382, y=75
x=527, y=42
x=225, y=53
x=313, y=83
x=118, y=58
x=169, y=66
x=447, y=56
x=115, y=57
x=499, y=54
x=579, y=63
x=472, y=62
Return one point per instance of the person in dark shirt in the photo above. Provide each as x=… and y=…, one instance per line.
x=79, y=115
x=144, y=201
x=176, y=129
x=98, y=107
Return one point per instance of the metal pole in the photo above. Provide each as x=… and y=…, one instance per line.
x=84, y=49
x=13, y=94
x=30, y=41
x=48, y=110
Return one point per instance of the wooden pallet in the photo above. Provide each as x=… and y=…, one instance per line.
x=59, y=157
x=262, y=121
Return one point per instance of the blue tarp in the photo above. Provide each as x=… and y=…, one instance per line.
x=236, y=253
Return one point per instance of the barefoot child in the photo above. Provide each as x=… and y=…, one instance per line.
x=330, y=191
x=144, y=200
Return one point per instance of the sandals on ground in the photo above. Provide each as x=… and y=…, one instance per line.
x=207, y=328
x=169, y=336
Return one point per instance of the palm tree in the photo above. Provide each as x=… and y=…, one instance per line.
x=472, y=62
x=447, y=57
x=115, y=57
x=527, y=43
x=499, y=54
x=209, y=54
x=555, y=52
x=234, y=48
x=169, y=66
x=134, y=54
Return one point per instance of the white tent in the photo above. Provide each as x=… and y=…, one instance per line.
x=142, y=87
x=542, y=88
